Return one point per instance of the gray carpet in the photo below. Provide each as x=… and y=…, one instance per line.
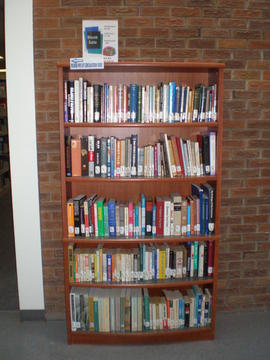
x=238, y=336
x=8, y=277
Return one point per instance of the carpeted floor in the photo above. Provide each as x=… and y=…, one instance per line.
x=238, y=337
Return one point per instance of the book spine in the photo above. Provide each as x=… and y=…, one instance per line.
x=97, y=158
x=91, y=156
x=68, y=155
x=103, y=157
x=84, y=156
x=97, y=103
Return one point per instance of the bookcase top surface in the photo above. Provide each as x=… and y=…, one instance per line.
x=153, y=65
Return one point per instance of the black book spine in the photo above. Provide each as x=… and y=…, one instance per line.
x=66, y=101
x=82, y=220
x=97, y=103
x=77, y=215
x=134, y=155
x=68, y=154
x=205, y=154
x=84, y=155
x=72, y=100
x=97, y=158
x=171, y=265
x=188, y=245
x=85, y=101
x=148, y=217
x=187, y=311
x=103, y=156
x=205, y=260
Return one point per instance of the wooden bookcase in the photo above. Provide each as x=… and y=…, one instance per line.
x=127, y=188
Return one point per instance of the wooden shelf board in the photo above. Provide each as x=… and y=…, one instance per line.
x=139, y=65
x=148, y=284
x=146, y=240
x=184, y=179
x=205, y=333
x=140, y=125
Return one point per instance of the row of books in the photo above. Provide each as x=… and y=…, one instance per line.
x=133, y=310
x=112, y=157
x=167, y=216
x=191, y=260
x=110, y=103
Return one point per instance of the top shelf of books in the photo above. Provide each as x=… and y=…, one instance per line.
x=150, y=94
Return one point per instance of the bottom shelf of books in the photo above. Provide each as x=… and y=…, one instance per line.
x=140, y=314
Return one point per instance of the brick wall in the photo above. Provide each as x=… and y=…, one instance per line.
x=236, y=32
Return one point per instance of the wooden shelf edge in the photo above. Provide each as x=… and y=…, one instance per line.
x=123, y=241
x=157, y=64
x=150, y=284
x=142, y=125
x=206, y=333
x=183, y=179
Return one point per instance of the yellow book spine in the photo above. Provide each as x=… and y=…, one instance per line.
x=70, y=218
x=95, y=267
x=162, y=259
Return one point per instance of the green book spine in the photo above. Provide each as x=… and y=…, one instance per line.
x=100, y=217
x=139, y=104
x=146, y=311
x=96, y=326
x=195, y=264
x=106, y=220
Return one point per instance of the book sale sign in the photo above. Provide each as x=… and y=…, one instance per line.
x=99, y=44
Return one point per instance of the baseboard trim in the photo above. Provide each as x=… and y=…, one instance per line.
x=32, y=315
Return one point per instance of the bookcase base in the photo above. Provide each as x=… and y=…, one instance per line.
x=141, y=338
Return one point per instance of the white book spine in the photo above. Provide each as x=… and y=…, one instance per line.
x=212, y=145
x=166, y=223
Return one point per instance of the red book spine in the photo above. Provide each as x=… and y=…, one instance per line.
x=180, y=156
x=160, y=216
x=210, y=258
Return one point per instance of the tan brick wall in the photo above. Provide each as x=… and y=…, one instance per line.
x=236, y=32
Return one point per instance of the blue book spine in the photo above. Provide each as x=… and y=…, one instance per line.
x=182, y=314
x=210, y=107
x=171, y=103
x=151, y=103
x=155, y=263
x=136, y=221
x=108, y=157
x=143, y=214
x=185, y=104
x=206, y=214
x=133, y=102
x=109, y=267
x=112, y=157
x=105, y=102
x=180, y=102
x=154, y=220
x=111, y=216
x=133, y=218
x=188, y=220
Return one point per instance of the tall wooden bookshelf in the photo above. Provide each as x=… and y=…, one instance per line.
x=128, y=188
